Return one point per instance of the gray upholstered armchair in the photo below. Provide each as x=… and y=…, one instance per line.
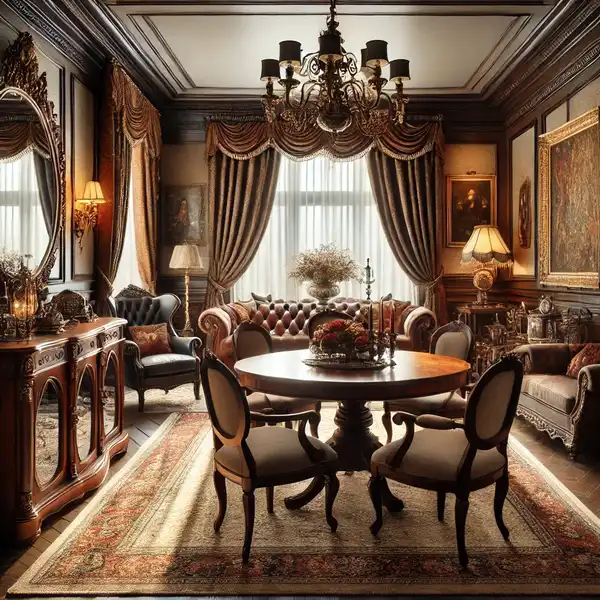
x=158, y=371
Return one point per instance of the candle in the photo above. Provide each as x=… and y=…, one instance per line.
x=381, y=316
x=393, y=317
x=371, y=320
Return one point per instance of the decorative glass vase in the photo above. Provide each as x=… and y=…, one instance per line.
x=323, y=291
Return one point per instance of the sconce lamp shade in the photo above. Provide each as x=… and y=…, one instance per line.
x=486, y=245
x=290, y=52
x=377, y=53
x=92, y=193
x=186, y=256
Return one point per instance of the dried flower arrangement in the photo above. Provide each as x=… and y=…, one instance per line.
x=326, y=264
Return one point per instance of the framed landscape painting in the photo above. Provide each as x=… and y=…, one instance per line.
x=185, y=214
x=569, y=169
x=470, y=201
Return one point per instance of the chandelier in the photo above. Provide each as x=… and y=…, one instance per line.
x=327, y=88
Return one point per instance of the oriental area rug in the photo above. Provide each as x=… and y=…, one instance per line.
x=149, y=532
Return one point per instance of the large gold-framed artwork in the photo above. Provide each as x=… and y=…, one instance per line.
x=470, y=201
x=569, y=171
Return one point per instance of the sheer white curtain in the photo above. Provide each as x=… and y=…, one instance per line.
x=317, y=202
x=128, y=272
x=22, y=225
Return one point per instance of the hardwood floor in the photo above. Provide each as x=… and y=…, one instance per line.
x=582, y=478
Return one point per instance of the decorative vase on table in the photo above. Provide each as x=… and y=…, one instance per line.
x=323, y=291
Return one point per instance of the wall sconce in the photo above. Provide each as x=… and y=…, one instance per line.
x=86, y=219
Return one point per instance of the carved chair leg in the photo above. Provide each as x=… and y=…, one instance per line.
x=375, y=492
x=499, y=497
x=289, y=425
x=387, y=421
x=141, y=399
x=441, y=505
x=460, y=516
x=249, y=518
x=270, y=499
x=197, y=388
x=332, y=485
x=314, y=427
x=221, y=489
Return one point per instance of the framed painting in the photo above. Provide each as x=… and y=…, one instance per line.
x=470, y=201
x=185, y=214
x=569, y=164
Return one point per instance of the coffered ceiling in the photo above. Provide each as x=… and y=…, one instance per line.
x=213, y=49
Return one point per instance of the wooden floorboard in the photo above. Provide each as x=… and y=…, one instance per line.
x=582, y=478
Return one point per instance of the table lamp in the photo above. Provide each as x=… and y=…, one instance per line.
x=486, y=251
x=186, y=256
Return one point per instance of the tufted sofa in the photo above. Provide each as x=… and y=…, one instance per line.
x=286, y=321
x=564, y=407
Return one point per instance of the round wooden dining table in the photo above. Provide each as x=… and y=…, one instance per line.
x=414, y=374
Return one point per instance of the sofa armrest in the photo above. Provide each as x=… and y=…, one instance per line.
x=419, y=326
x=217, y=325
x=132, y=350
x=545, y=358
x=589, y=379
x=186, y=345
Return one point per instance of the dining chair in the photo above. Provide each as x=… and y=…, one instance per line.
x=453, y=339
x=260, y=457
x=250, y=339
x=322, y=317
x=458, y=458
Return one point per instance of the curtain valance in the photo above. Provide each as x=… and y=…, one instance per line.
x=246, y=140
x=138, y=117
x=16, y=138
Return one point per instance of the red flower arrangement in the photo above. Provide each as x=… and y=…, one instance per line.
x=341, y=337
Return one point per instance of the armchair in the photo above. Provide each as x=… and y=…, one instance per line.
x=457, y=458
x=158, y=371
x=564, y=407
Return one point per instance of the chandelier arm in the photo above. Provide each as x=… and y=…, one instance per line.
x=360, y=96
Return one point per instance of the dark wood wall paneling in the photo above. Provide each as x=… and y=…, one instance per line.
x=11, y=23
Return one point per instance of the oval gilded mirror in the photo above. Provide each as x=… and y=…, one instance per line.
x=83, y=408
x=47, y=434
x=32, y=173
x=28, y=187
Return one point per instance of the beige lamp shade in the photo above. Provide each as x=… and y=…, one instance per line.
x=186, y=256
x=486, y=245
x=92, y=193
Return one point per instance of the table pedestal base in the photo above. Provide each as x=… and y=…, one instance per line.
x=354, y=444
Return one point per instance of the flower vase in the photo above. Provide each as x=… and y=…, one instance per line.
x=323, y=292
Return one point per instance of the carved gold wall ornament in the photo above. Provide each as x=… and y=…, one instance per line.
x=569, y=211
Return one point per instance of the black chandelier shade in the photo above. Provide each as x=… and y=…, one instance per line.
x=377, y=53
x=270, y=69
x=290, y=52
x=399, y=70
x=330, y=45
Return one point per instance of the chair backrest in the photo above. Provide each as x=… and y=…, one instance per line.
x=453, y=339
x=250, y=339
x=146, y=310
x=227, y=407
x=492, y=403
x=325, y=316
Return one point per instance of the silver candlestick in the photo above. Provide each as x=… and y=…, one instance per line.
x=368, y=278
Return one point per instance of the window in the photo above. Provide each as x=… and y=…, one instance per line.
x=317, y=202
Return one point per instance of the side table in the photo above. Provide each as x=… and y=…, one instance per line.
x=477, y=316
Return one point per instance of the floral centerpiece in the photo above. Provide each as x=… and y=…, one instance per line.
x=324, y=268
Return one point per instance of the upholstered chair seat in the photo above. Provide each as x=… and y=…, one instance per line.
x=158, y=365
x=250, y=340
x=453, y=339
x=161, y=370
x=453, y=457
x=260, y=457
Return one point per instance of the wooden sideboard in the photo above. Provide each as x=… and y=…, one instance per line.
x=61, y=421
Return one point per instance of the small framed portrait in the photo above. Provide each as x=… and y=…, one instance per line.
x=185, y=210
x=470, y=201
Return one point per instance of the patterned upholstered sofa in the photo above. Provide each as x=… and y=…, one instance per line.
x=287, y=322
x=565, y=407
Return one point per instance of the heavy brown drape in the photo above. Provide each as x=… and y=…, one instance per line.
x=130, y=147
x=408, y=194
x=405, y=167
x=241, y=196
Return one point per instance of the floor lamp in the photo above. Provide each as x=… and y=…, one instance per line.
x=186, y=256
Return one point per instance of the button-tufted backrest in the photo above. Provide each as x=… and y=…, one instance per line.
x=147, y=310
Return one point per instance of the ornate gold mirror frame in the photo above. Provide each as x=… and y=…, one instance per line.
x=19, y=73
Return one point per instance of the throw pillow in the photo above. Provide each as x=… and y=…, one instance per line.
x=262, y=299
x=241, y=312
x=590, y=355
x=151, y=339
